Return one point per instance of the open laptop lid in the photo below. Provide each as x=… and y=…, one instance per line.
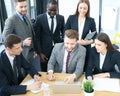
x=63, y=88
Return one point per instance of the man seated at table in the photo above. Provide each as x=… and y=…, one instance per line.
x=11, y=64
x=67, y=57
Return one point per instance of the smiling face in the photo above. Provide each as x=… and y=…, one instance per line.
x=52, y=9
x=82, y=9
x=100, y=46
x=21, y=7
x=69, y=43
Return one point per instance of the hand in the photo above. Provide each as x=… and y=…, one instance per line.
x=35, y=86
x=37, y=78
x=27, y=41
x=70, y=79
x=35, y=55
x=89, y=78
x=43, y=58
x=84, y=42
x=51, y=76
x=102, y=75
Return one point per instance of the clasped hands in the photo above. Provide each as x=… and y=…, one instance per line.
x=68, y=79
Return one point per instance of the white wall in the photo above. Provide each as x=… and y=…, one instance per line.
x=68, y=7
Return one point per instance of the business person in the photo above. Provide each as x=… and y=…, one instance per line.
x=83, y=24
x=59, y=58
x=49, y=28
x=103, y=58
x=20, y=24
x=11, y=74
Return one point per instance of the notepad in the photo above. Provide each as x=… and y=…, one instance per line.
x=90, y=35
x=64, y=88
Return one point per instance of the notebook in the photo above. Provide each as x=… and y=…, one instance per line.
x=90, y=35
x=64, y=88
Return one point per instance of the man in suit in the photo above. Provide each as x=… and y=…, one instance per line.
x=59, y=60
x=20, y=25
x=48, y=32
x=11, y=73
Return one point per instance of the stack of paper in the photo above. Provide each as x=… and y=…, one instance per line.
x=32, y=81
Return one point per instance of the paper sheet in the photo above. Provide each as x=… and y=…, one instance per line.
x=32, y=81
x=106, y=84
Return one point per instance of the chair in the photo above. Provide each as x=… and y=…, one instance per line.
x=116, y=39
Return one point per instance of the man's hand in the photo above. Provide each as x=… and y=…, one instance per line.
x=43, y=58
x=27, y=41
x=37, y=78
x=35, y=86
x=70, y=79
x=51, y=76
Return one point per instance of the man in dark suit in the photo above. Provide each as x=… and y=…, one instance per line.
x=11, y=72
x=49, y=28
x=20, y=24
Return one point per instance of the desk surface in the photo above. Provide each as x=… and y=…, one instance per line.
x=59, y=77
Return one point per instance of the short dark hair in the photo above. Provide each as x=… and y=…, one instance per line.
x=103, y=37
x=72, y=34
x=11, y=39
x=88, y=4
x=54, y=2
x=19, y=1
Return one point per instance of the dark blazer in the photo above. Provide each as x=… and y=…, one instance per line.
x=44, y=36
x=72, y=23
x=112, y=58
x=7, y=84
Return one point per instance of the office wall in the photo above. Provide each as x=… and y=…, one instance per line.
x=68, y=7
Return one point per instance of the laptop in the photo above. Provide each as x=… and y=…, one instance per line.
x=64, y=88
x=90, y=35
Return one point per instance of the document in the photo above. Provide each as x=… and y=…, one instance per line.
x=107, y=84
x=44, y=85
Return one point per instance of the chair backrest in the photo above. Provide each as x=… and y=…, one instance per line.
x=116, y=39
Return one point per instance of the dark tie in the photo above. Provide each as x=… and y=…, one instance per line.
x=24, y=18
x=67, y=61
x=15, y=70
x=52, y=23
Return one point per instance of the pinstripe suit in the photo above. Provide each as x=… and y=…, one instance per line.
x=15, y=25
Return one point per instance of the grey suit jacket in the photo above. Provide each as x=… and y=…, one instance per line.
x=14, y=25
x=76, y=62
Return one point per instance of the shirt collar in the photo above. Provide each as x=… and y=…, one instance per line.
x=48, y=16
x=19, y=15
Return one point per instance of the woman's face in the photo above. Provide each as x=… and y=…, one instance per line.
x=100, y=46
x=82, y=9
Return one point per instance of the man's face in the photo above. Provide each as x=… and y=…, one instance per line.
x=52, y=9
x=21, y=7
x=69, y=43
x=15, y=50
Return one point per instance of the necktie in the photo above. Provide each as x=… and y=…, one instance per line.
x=24, y=18
x=15, y=70
x=67, y=61
x=52, y=23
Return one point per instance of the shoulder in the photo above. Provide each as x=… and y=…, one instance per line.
x=73, y=16
x=90, y=19
x=81, y=48
x=59, y=45
x=40, y=16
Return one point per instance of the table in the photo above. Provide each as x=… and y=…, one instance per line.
x=60, y=77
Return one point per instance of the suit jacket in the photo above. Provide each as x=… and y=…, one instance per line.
x=76, y=62
x=45, y=37
x=8, y=85
x=112, y=58
x=72, y=23
x=14, y=25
